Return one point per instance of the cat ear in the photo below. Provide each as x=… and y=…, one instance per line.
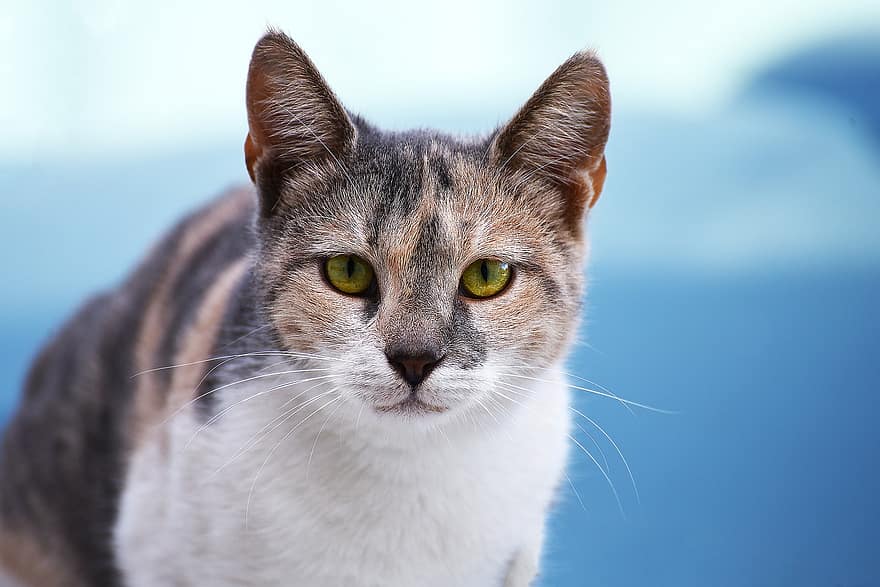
x=559, y=135
x=294, y=119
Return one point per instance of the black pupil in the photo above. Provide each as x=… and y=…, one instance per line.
x=484, y=271
x=349, y=267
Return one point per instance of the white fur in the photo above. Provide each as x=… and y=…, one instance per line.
x=454, y=499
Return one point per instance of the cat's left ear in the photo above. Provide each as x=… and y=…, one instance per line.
x=559, y=136
x=295, y=122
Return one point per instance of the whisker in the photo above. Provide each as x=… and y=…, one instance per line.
x=357, y=421
x=491, y=415
x=226, y=361
x=227, y=385
x=617, y=448
x=513, y=389
x=601, y=388
x=607, y=478
x=273, y=365
x=278, y=421
x=500, y=427
x=595, y=392
x=573, y=376
x=227, y=409
x=317, y=436
x=200, y=362
x=292, y=355
x=244, y=336
x=215, y=367
x=585, y=451
x=247, y=507
x=573, y=488
x=444, y=435
x=595, y=443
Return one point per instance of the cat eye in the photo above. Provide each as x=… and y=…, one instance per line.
x=349, y=274
x=485, y=278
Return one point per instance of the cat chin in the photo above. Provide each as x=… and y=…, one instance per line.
x=406, y=414
x=412, y=406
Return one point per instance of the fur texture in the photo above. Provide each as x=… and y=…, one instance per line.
x=226, y=417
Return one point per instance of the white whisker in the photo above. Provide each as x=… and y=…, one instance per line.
x=617, y=448
x=585, y=451
x=290, y=354
x=227, y=409
x=593, y=391
x=244, y=336
x=573, y=488
x=573, y=376
x=228, y=385
x=275, y=423
x=274, y=448
x=317, y=436
x=357, y=421
x=598, y=466
x=509, y=387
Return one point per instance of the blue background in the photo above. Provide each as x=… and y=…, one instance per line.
x=735, y=281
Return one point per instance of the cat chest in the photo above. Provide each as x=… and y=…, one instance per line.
x=335, y=521
x=443, y=529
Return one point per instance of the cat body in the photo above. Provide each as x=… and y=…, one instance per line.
x=239, y=412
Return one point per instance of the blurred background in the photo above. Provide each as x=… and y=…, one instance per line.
x=736, y=269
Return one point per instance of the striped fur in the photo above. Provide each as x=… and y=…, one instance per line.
x=84, y=409
x=121, y=465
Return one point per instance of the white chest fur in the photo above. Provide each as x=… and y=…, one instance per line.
x=339, y=504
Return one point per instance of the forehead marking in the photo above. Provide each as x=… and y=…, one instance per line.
x=437, y=167
x=434, y=240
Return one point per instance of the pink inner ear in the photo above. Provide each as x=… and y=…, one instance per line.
x=252, y=152
x=597, y=179
x=583, y=191
x=256, y=97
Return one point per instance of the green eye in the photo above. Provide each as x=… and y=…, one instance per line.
x=485, y=278
x=349, y=274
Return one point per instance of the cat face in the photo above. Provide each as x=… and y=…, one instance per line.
x=422, y=267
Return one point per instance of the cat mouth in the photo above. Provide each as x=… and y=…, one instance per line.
x=412, y=405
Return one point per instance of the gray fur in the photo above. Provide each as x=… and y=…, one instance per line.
x=411, y=204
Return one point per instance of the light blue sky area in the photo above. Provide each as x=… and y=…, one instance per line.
x=777, y=181
x=106, y=77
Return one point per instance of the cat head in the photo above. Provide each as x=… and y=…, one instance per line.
x=423, y=267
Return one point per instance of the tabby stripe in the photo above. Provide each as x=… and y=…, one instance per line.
x=227, y=245
x=200, y=339
x=149, y=400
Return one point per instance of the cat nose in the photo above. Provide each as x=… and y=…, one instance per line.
x=414, y=367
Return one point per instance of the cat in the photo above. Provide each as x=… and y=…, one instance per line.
x=348, y=375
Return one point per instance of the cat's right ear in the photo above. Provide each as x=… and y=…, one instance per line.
x=558, y=137
x=295, y=122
